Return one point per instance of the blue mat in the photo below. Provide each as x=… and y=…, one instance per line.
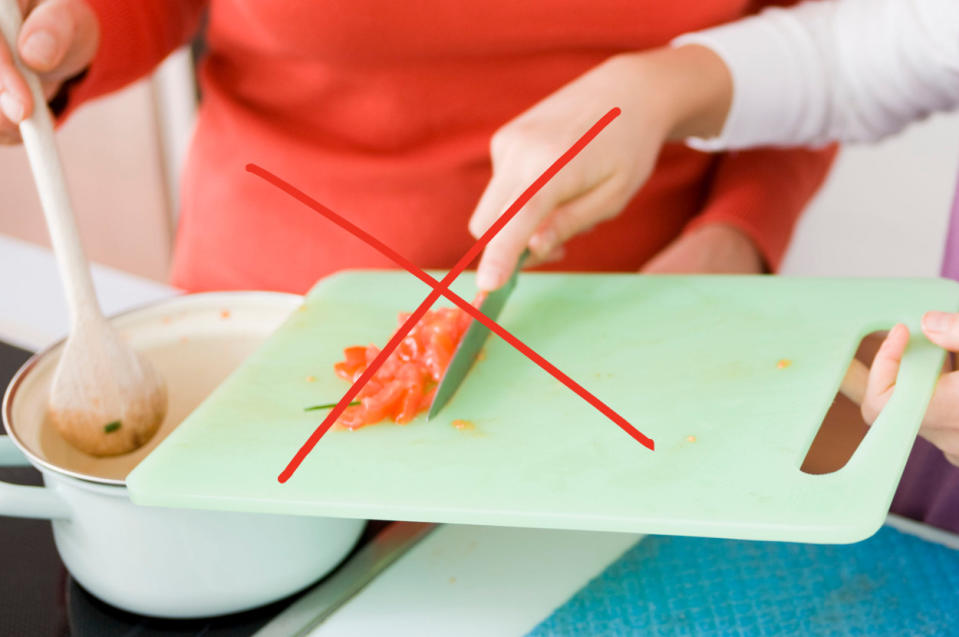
x=891, y=584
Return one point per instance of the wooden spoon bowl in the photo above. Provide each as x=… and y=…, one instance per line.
x=105, y=399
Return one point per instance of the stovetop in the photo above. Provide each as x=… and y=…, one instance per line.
x=39, y=598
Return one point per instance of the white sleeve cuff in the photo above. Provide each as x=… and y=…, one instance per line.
x=772, y=82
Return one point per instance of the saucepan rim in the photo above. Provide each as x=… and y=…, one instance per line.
x=31, y=363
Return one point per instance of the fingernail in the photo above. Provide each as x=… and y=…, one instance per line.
x=11, y=107
x=937, y=321
x=39, y=49
x=892, y=335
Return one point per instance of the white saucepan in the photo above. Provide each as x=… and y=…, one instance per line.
x=157, y=561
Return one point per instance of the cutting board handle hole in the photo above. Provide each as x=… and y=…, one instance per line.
x=843, y=427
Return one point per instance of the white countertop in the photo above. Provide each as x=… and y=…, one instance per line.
x=460, y=580
x=33, y=312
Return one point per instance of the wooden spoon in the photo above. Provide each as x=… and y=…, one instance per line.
x=105, y=399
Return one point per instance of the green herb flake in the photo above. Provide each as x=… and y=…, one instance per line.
x=329, y=406
x=110, y=427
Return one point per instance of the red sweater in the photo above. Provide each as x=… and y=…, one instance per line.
x=383, y=111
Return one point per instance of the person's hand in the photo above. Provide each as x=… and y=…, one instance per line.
x=668, y=93
x=57, y=41
x=940, y=426
x=710, y=249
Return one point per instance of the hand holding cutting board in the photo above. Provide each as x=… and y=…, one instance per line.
x=941, y=423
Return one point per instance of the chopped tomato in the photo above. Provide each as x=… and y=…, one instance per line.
x=355, y=356
x=343, y=371
x=352, y=417
x=438, y=354
x=383, y=403
x=405, y=384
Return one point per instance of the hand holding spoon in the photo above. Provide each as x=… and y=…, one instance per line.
x=105, y=399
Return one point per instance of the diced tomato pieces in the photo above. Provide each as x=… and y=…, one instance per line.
x=462, y=322
x=382, y=404
x=353, y=417
x=412, y=378
x=405, y=383
x=355, y=356
x=409, y=349
x=409, y=406
x=372, y=387
x=438, y=354
x=355, y=359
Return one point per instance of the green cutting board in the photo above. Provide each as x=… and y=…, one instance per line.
x=690, y=361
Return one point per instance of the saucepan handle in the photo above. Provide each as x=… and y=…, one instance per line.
x=21, y=501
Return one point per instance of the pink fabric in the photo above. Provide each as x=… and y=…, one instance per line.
x=950, y=260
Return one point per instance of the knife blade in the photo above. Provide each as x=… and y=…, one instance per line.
x=472, y=342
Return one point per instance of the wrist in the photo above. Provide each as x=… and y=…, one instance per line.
x=688, y=87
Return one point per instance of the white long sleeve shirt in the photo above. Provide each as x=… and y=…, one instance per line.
x=848, y=70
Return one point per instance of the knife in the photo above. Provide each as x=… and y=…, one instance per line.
x=472, y=342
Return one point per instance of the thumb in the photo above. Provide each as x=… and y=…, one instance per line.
x=942, y=328
x=59, y=38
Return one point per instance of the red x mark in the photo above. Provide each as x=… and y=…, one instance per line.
x=441, y=288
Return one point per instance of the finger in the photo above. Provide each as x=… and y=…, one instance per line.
x=502, y=252
x=59, y=38
x=577, y=216
x=942, y=328
x=557, y=254
x=14, y=93
x=9, y=132
x=491, y=204
x=883, y=372
x=13, y=110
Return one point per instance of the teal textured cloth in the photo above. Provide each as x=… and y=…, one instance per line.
x=891, y=584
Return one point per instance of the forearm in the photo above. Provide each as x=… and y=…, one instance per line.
x=849, y=70
x=763, y=192
x=688, y=89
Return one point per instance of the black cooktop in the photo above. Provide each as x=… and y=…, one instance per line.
x=39, y=598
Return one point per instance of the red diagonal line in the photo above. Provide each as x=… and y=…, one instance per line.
x=442, y=287
x=460, y=302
